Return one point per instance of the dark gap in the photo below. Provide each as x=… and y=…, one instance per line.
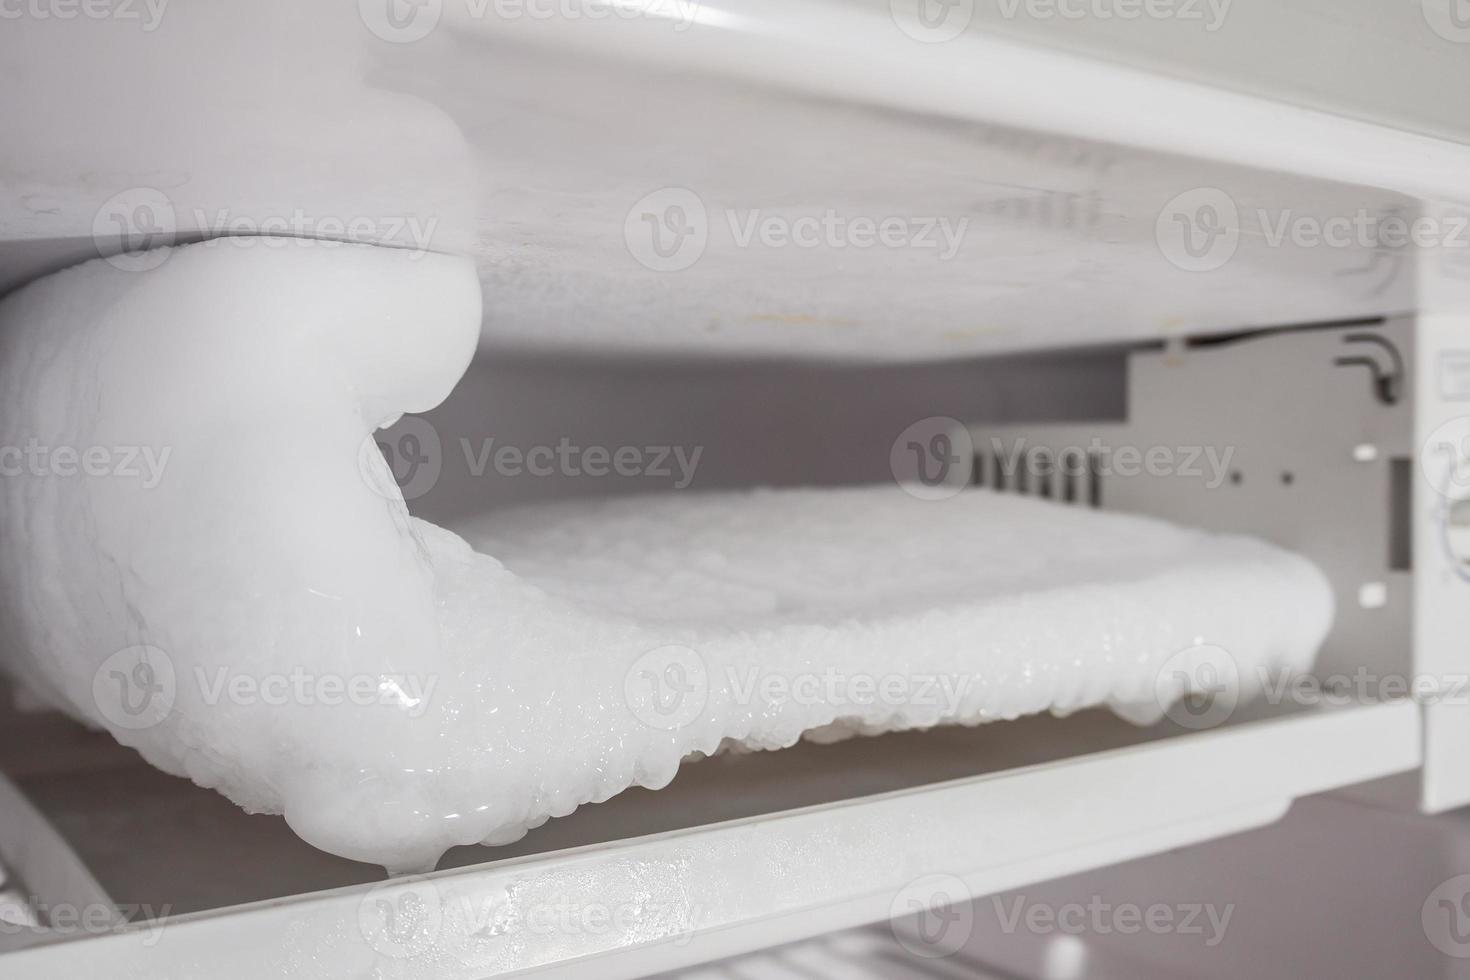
x=1400, y=514
x=1220, y=339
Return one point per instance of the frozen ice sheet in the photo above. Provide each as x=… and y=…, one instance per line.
x=256, y=609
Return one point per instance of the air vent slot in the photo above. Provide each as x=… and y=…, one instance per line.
x=1071, y=476
x=1400, y=514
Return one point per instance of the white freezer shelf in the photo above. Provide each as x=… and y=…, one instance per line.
x=604, y=910
x=1046, y=192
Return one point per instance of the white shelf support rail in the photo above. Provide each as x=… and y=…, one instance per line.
x=605, y=910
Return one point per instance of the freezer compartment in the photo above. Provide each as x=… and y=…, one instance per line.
x=745, y=851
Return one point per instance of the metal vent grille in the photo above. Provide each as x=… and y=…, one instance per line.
x=1070, y=476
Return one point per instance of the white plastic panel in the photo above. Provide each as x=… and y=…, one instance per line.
x=1270, y=903
x=1442, y=550
x=690, y=895
x=39, y=869
x=540, y=144
x=1308, y=460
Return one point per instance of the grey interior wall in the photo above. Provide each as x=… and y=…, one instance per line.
x=751, y=423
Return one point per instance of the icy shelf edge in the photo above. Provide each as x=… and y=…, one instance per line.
x=692, y=895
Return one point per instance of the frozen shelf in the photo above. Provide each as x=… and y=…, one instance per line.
x=655, y=885
x=1035, y=188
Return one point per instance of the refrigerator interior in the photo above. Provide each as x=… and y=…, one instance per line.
x=631, y=192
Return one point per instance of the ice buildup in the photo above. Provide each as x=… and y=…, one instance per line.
x=255, y=608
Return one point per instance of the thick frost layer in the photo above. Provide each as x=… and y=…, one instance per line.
x=266, y=618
